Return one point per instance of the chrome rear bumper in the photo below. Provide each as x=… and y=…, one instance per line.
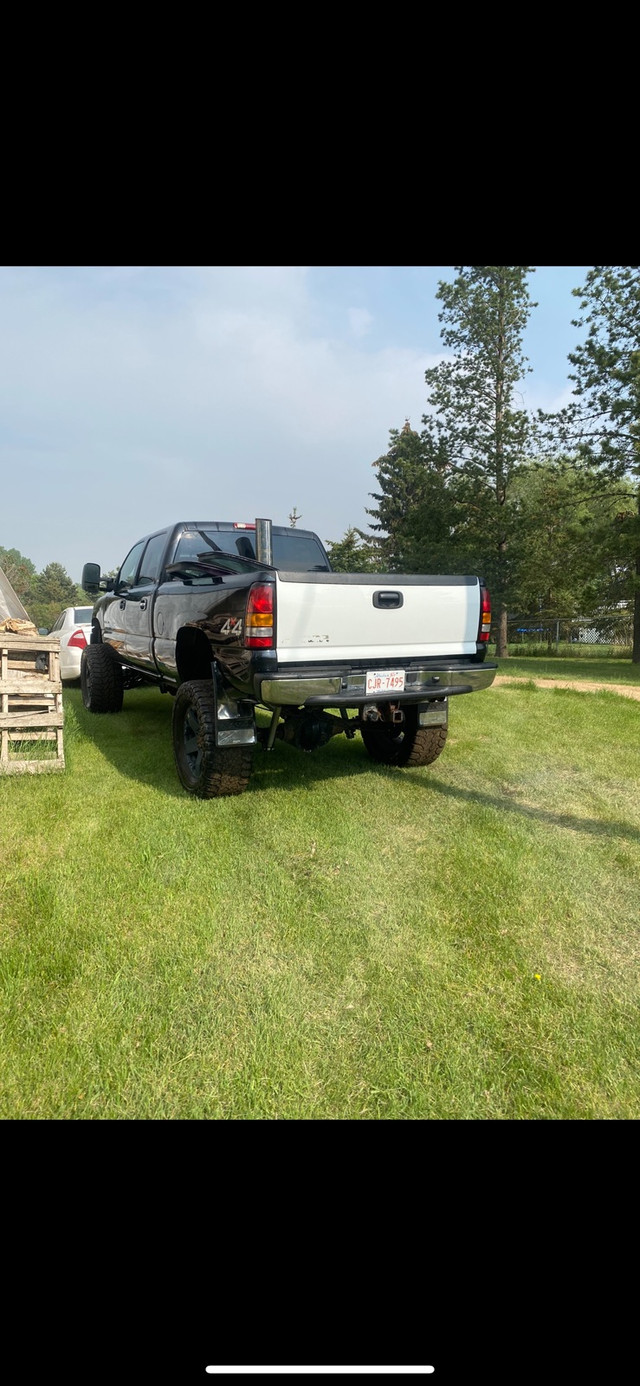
x=348, y=690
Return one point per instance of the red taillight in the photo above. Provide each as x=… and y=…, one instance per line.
x=78, y=640
x=258, y=621
x=484, y=629
x=237, y=524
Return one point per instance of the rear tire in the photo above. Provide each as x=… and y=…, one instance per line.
x=406, y=744
x=100, y=680
x=204, y=769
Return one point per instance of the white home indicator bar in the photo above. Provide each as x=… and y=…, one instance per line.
x=319, y=1371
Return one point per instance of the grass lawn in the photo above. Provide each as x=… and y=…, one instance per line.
x=592, y=669
x=343, y=940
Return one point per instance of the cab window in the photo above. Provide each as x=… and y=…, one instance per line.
x=126, y=576
x=153, y=555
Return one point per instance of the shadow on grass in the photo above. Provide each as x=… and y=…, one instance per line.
x=137, y=742
x=596, y=826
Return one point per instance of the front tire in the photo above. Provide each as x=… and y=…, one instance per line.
x=100, y=680
x=204, y=769
x=403, y=744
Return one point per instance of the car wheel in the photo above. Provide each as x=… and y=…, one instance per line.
x=100, y=680
x=204, y=769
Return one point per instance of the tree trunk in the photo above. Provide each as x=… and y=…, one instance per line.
x=635, y=653
x=501, y=641
x=502, y=648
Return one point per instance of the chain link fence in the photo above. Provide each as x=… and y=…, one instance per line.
x=614, y=631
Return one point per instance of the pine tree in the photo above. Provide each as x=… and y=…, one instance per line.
x=403, y=478
x=473, y=416
x=51, y=590
x=354, y=553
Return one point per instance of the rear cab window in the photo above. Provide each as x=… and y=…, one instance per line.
x=294, y=553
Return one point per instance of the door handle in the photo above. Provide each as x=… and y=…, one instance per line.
x=388, y=601
x=122, y=605
x=143, y=604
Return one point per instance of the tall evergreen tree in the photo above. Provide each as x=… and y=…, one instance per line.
x=406, y=475
x=601, y=425
x=473, y=417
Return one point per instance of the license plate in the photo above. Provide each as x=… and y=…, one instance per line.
x=384, y=681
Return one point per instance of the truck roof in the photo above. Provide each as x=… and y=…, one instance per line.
x=237, y=524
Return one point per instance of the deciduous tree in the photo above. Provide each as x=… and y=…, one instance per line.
x=600, y=428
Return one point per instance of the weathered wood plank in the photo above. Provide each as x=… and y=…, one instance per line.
x=30, y=767
x=22, y=735
x=37, y=718
x=28, y=642
x=28, y=664
x=30, y=683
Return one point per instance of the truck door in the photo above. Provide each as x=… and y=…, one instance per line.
x=115, y=610
x=138, y=613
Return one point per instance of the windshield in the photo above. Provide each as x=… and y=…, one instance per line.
x=82, y=615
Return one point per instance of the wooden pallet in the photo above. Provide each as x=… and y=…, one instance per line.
x=30, y=701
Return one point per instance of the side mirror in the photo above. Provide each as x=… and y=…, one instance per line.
x=91, y=578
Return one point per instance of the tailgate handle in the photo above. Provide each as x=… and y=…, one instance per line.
x=388, y=601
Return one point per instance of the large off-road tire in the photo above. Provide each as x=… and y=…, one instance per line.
x=206, y=770
x=100, y=680
x=403, y=744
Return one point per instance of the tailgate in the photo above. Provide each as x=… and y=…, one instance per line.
x=373, y=616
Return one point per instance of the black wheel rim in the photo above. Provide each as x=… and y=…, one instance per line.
x=190, y=742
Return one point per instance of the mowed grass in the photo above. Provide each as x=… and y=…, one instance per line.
x=343, y=941
x=592, y=669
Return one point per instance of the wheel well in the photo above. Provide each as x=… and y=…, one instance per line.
x=193, y=654
x=96, y=633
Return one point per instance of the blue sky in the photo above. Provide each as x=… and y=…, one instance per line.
x=133, y=397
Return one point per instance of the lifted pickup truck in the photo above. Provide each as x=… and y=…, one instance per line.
x=229, y=617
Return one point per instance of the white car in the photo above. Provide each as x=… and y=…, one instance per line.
x=74, y=628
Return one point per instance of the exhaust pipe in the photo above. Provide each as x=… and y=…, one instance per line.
x=264, y=550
